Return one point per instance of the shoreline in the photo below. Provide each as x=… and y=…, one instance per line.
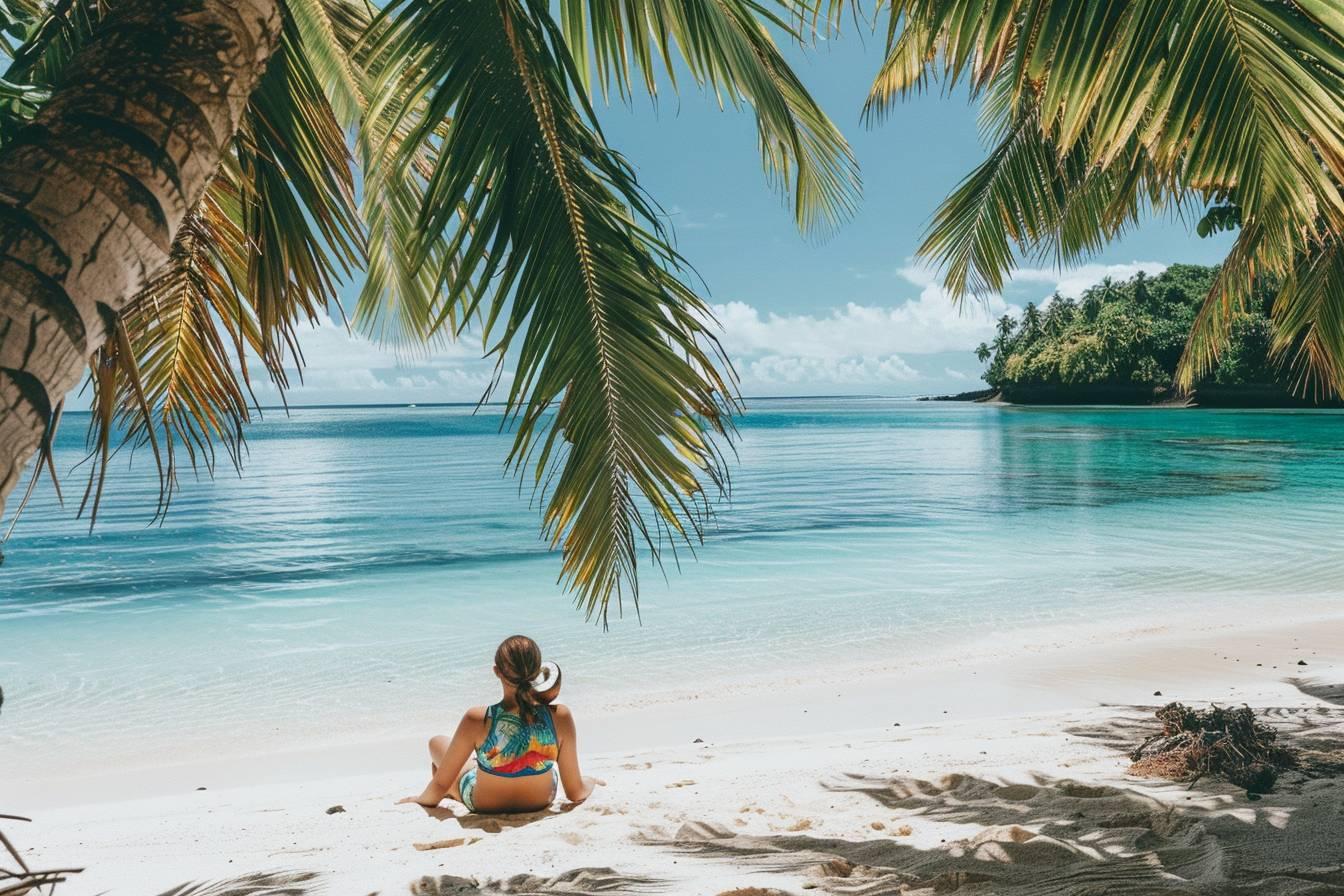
x=1228, y=398
x=1039, y=668
x=794, y=767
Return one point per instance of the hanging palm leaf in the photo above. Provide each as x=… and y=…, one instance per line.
x=1234, y=104
x=262, y=253
x=616, y=397
x=726, y=45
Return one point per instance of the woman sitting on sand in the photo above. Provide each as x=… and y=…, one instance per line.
x=508, y=757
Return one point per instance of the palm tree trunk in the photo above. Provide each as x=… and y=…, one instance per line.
x=92, y=192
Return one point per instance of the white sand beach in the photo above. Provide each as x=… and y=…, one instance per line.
x=1003, y=772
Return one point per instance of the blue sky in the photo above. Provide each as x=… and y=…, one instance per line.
x=852, y=314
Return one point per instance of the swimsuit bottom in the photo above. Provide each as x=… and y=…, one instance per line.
x=466, y=785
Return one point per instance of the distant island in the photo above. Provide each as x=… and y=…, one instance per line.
x=1120, y=342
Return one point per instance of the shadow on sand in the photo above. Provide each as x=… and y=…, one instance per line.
x=578, y=882
x=493, y=823
x=273, y=883
x=1058, y=837
x=1313, y=687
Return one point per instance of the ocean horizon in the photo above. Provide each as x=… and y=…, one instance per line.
x=353, y=581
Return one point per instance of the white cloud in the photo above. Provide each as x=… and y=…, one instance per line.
x=851, y=347
x=1073, y=281
x=858, y=346
x=686, y=220
x=776, y=370
x=929, y=323
x=331, y=345
x=341, y=366
x=1069, y=282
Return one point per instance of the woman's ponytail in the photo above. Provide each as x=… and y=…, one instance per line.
x=518, y=660
x=528, y=700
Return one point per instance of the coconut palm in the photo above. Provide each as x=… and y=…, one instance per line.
x=224, y=215
x=1031, y=320
x=1100, y=110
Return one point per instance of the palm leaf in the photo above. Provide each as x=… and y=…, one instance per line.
x=1233, y=103
x=299, y=215
x=262, y=252
x=1231, y=290
x=616, y=396
x=327, y=53
x=171, y=382
x=399, y=303
x=726, y=45
x=1308, y=316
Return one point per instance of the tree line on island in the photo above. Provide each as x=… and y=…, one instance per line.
x=1122, y=341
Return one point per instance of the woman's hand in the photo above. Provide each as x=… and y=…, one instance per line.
x=589, y=785
x=417, y=800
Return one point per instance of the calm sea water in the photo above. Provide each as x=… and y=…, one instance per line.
x=368, y=560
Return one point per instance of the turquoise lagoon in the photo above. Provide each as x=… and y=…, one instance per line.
x=363, y=567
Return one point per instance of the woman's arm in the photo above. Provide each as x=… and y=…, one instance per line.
x=453, y=759
x=577, y=787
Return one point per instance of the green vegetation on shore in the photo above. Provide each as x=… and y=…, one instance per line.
x=1124, y=339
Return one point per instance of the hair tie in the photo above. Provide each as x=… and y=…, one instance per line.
x=547, y=677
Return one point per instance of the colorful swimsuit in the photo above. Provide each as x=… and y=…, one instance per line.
x=513, y=749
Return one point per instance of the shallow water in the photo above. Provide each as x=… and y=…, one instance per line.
x=368, y=560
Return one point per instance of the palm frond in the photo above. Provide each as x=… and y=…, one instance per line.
x=949, y=41
x=327, y=53
x=1026, y=198
x=726, y=46
x=1231, y=290
x=616, y=397
x=262, y=252
x=399, y=303
x=1233, y=94
x=171, y=382
x=1308, y=318
x=293, y=173
x=1233, y=103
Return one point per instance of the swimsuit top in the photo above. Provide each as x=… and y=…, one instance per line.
x=514, y=748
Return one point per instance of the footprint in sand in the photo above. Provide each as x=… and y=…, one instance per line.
x=636, y=766
x=685, y=783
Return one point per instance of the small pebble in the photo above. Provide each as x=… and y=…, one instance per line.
x=335, y=810
x=698, y=740
x=1157, y=693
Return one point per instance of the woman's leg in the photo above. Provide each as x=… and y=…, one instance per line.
x=438, y=746
x=456, y=790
